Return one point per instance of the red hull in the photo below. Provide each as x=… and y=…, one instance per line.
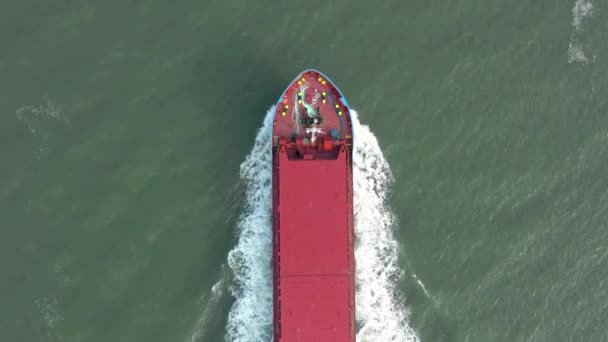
x=313, y=246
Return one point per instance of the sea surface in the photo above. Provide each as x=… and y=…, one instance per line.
x=134, y=166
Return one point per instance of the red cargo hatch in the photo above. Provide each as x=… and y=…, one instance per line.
x=314, y=249
x=313, y=209
x=315, y=308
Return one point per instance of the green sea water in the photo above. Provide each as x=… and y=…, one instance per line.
x=123, y=126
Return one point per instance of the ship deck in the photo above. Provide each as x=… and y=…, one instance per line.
x=312, y=217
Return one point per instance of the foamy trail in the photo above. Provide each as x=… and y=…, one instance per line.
x=40, y=121
x=581, y=10
x=250, y=319
x=211, y=304
x=381, y=314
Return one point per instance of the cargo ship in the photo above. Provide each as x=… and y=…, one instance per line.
x=312, y=213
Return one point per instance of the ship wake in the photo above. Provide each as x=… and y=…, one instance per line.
x=381, y=312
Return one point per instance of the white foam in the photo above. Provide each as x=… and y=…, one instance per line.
x=47, y=307
x=250, y=319
x=212, y=300
x=39, y=119
x=32, y=115
x=576, y=53
x=581, y=10
x=381, y=315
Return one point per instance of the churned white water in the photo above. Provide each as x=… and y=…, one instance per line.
x=211, y=304
x=381, y=316
x=250, y=318
x=581, y=10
